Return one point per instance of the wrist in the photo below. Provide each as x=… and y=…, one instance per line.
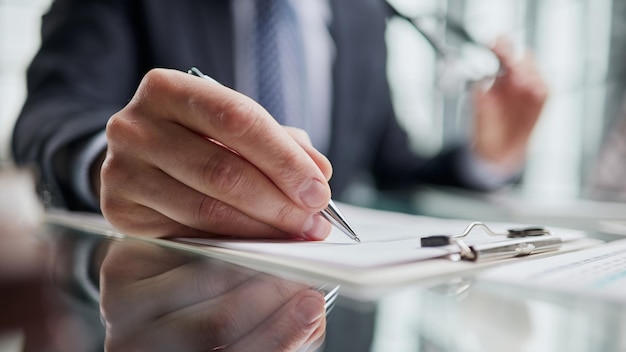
x=498, y=160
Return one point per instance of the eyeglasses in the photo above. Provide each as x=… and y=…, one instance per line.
x=463, y=61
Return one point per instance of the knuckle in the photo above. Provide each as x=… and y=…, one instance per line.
x=108, y=309
x=215, y=328
x=302, y=134
x=154, y=81
x=154, y=86
x=327, y=168
x=213, y=212
x=297, y=133
x=119, y=129
x=115, y=212
x=290, y=162
x=111, y=208
x=115, y=206
x=282, y=290
x=239, y=118
x=224, y=173
x=112, y=310
x=203, y=284
x=127, y=134
x=113, y=173
x=285, y=214
x=289, y=168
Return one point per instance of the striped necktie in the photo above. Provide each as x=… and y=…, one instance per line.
x=279, y=61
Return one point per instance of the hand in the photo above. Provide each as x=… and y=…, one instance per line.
x=507, y=111
x=190, y=157
x=157, y=300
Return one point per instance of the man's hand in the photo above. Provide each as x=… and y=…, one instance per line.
x=190, y=157
x=158, y=300
x=507, y=112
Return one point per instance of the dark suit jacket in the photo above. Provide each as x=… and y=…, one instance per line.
x=95, y=52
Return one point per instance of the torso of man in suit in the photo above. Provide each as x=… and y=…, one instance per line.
x=90, y=66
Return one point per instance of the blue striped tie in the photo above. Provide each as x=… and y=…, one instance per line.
x=279, y=61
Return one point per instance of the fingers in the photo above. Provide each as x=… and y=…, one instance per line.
x=302, y=138
x=169, y=208
x=223, y=320
x=236, y=121
x=300, y=322
x=235, y=314
x=508, y=110
x=520, y=75
x=131, y=273
x=503, y=49
x=228, y=162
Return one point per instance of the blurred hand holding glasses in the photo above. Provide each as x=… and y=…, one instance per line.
x=461, y=60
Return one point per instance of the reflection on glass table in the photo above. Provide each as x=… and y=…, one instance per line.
x=36, y=313
x=467, y=315
x=155, y=298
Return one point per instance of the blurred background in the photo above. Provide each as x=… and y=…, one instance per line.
x=578, y=45
x=19, y=39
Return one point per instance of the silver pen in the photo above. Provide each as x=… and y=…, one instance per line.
x=334, y=216
x=331, y=213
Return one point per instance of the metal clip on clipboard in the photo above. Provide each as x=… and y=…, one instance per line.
x=518, y=242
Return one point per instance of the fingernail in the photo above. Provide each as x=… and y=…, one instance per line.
x=309, y=310
x=316, y=228
x=313, y=194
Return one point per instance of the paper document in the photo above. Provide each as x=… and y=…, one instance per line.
x=388, y=238
x=389, y=256
x=597, y=271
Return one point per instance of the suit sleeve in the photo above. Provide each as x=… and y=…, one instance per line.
x=397, y=166
x=85, y=71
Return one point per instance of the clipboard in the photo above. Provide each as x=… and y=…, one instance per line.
x=516, y=242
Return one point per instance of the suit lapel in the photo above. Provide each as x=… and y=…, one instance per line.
x=342, y=111
x=348, y=69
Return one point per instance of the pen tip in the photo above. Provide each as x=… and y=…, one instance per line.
x=357, y=239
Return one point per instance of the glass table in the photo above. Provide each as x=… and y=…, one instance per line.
x=131, y=294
